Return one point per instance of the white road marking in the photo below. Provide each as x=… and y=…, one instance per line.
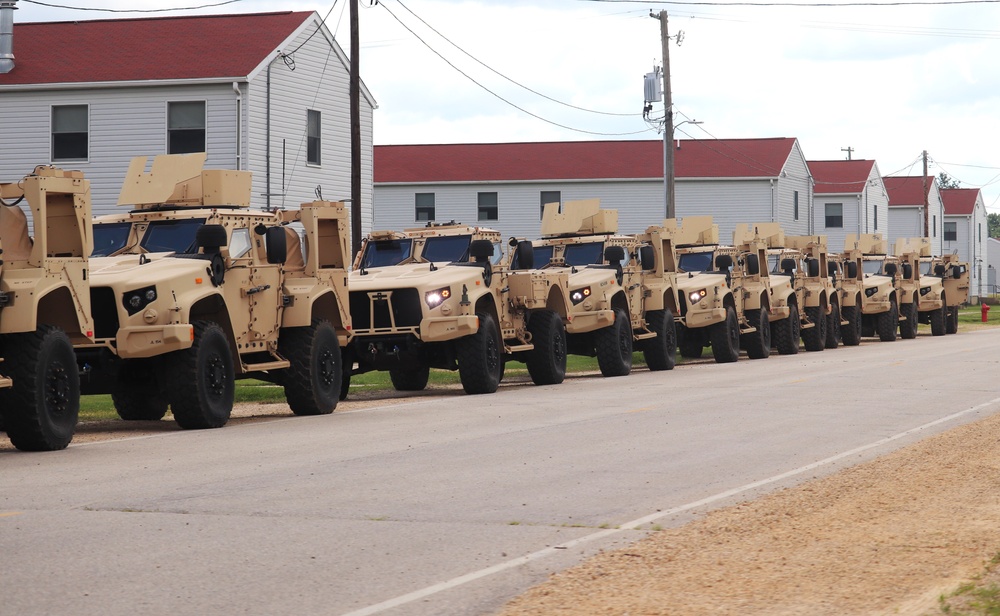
x=423, y=593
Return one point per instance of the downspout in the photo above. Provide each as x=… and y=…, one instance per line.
x=239, y=126
x=866, y=207
x=267, y=141
x=859, y=215
x=7, y=8
x=772, y=199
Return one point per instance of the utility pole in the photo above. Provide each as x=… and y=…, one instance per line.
x=927, y=207
x=668, y=119
x=355, y=91
x=848, y=149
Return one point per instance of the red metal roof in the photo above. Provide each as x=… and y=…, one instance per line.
x=959, y=201
x=579, y=160
x=837, y=177
x=907, y=190
x=193, y=47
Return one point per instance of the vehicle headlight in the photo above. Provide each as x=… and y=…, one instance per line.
x=871, y=291
x=925, y=290
x=697, y=296
x=436, y=297
x=134, y=301
x=579, y=295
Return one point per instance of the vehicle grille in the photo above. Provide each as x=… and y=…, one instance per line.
x=105, y=310
x=385, y=310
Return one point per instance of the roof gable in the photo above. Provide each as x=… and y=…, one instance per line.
x=959, y=201
x=907, y=190
x=165, y=48
x=837, y=177
x=579, y=160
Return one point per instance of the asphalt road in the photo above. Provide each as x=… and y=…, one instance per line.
x=454, y=504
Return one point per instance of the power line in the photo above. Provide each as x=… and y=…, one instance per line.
x=103, y=10
x=804, y=4
x=515, y=106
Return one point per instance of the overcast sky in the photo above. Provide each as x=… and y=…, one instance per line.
x=887, y=81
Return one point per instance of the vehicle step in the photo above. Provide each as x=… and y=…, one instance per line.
x=645, y=335
x=268, y=365
x=516, y=348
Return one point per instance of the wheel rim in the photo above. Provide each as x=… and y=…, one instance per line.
x=57, y=389
x=215, y=376
x=327, y=365
x=492, y=354
x=624, y=340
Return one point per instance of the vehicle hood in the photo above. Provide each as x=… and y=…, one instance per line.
x=414, y=275
x=153, y=268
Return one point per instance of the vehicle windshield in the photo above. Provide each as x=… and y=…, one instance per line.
x=172, y=236
x=449, y=248
x=110, y=237
x=926, y=268
x=773, y=261
x=382, y=253
x=872, y=266
x=584, y=254
x=543, y=254
x=695, y=262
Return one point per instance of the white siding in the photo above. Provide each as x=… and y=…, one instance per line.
x=124, y=123
x=906, y=222
x=970, y=245
x=729, y=202
x=993, y=264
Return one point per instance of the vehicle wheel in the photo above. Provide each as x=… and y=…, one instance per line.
x=347, y=366
x=908, y=328
x=814, y=338
x=787, y=332
x=690, y=345
x=614, y=346
x=410, y=379
x=204, y=382
x=939, y=320
x=547, y=361
x=480, y=358
x=833, y=327
x=135, y=392
x=40, y=411
x=758, y=343
x=725, y=338
x=952, y=325
x=887, y=323
x=851, y=332
x=312, y=382
x=660, y=353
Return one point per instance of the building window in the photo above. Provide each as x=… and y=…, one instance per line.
x=934, y=226
x=876, y=218
x=979, y=234
x=795, y=204
x=834, y=215
x=69, y=132
x=314, y=126
x=488, y=209
x=186, y=127
x=424, y=205
x=548, y=196
x=950, y=231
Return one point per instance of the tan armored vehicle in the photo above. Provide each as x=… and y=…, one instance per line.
x=445, y=296
x=955, y=275
x=609, y=316
x=194, y=290
x=868, y=292
x=800, y=281
x=44, y=305
x=724, y=293
x=933, y=287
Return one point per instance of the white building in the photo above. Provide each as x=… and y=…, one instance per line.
x=965, y=232
x=264, y=92
x=993, y=259
x=907, y=215
x=849, y=197
x=503, y=185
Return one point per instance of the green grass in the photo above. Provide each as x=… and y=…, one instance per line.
x=980, y=597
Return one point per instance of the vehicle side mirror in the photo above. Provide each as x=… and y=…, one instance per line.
x=956, y=272
x=939, y=270
x=524, y=257
x=831, y=269
x=647, y=257
x=614, y=254
x=211, y=238
x=890, y=269
x=852, y=269
x=788, y=265
x=724, y=262
x=276, y=244
x=481, y=250
x=907, y=271
x=812, y=268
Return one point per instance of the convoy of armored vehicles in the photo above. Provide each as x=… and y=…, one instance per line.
x=166, y=305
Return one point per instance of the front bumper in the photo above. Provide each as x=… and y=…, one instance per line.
x=583, y=322
x=153, y=340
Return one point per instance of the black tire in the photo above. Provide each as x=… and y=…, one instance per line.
x=908, y=328
x=204, y=382
x=787, y=332
x=952, y=325
x=410, y=379
x=814, y=338
x=135, y=392
x=614, y=346
x=939, y=319
x=660, y=353
x=689, y=344
x=833, y=327
x=547, y=361
x=758, y=343
x=851, y=331
x=347, y=366
x=480, y=358
x=725, y=338
x=40, y=411
x=888, y=322
x=312, y=382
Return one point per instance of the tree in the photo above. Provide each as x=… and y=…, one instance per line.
x=946, y=181
x=993, y=222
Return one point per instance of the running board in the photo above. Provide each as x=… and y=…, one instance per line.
x=268, y=365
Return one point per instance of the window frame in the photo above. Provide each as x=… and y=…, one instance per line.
x=482, y=207
x=170, y=131
x=953, y=232
x=542, y=200
x=52, y=134
x=418, y=207
x=318, y=162
x=827, y=216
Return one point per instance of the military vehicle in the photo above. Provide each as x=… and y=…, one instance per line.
x=801, y=265
x=933, y=287
x=447, y=296
x=618, y=304
x=868, y=292
x=955, y=275
x=192, y=290
x=724, y=294
x=44, y=305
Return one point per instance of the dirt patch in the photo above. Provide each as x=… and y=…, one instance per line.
x=886, y=537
